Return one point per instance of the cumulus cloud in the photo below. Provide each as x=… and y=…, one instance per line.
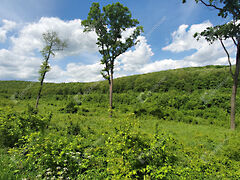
x=22, y=60
x=75, y=72
x=132, y=60
x=30, y=37
x=5, y=28
x=166, y=64
x=183, y=40
x=18, y=67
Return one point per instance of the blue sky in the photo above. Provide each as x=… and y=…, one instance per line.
x=166, y=43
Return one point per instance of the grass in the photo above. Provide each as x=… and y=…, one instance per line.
x=201, y=127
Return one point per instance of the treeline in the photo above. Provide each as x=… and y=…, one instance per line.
x=186, y=79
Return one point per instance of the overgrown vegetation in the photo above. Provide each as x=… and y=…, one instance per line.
x=165, y=125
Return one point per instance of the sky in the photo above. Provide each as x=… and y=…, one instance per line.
x=166, y=43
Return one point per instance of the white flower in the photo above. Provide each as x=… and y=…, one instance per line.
x=49, y=169
x=49, y=173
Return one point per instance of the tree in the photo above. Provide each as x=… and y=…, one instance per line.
x=230, y=30
x=109, y=26
x=52, y=45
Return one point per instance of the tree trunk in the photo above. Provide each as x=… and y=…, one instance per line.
x=234, y=89
x=233, y=105
x=40, y=90
x=111, y=93
x=41, y=84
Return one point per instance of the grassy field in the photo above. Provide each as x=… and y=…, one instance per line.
x=165, y=125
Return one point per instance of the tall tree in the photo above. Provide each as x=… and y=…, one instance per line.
x=52, y=45
x=230, y=30
x=109, y=26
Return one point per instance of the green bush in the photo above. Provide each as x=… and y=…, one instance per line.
x=71, y=107
x=53, y=155
x=15, y=125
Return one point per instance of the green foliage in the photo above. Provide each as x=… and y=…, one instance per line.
x=177, y=131
x=192, y=79
x=109, y=26
x=52, y=45
x=71, y=107
x=53, y=155
x=13, y=126
x=133, y=155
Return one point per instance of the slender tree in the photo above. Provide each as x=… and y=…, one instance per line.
x=109, y=26
x=52, y=45
x=230, y=30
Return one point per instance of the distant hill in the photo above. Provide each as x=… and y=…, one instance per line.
x=185, y=79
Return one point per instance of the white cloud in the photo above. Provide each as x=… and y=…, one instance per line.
x=183, y=39
x=7, y=26
x=30, y=37
x=14, y=66
x=166, y=64
x=22, y=59
x=132, y=60
x=75, y=72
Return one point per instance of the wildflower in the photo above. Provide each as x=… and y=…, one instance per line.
x=58, y=168
x=49, y=173
x=38, y=176
x=65, y=169
x=49, y=169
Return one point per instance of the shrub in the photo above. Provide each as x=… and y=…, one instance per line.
x=71, y=107
x=52, y=155
x=15, y=125
x=134, y=155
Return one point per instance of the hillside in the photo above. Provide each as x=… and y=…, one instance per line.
x=166, y=125
x=186, y=79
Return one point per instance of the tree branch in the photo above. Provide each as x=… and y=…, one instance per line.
x=220, y=9
x=229, y=61
x=234, y=41
x=211, y=5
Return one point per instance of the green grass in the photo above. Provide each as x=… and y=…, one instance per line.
x=191, y=105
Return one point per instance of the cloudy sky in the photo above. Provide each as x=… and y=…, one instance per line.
x=167, y=41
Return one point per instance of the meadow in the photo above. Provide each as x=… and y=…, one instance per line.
x=166, y=125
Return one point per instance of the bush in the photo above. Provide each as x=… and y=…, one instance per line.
x=131, y=154
x=14, y=126
x=53, y=155
x=71, y=107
